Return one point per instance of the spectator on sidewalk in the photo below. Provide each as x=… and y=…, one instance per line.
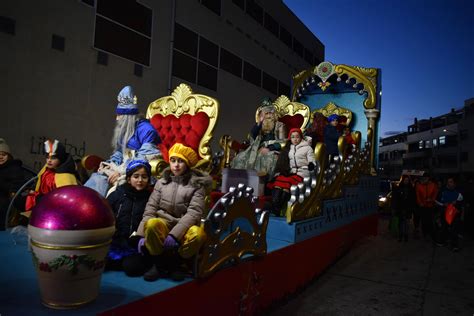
x=449, y=195
x=426, y=193
x=403, y=202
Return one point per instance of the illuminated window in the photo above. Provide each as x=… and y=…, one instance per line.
x=442, y=140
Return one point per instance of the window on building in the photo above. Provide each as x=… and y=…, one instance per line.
x=298, y=47
x=7, y=25
x=102, y=58
x=427, y=144
x=269, y=83
x=58, y=42
x=110, y=37
x=231, y=63
x=207, y=76
x=283, y=89
x=213, y=5
x=138, y=70
x=132, y=14
x=442, y=140
x=185, y=40
x=252, y=74
x=208, y=51
x=239, y=3
x=285, y=36
x=271, y=24
x=435, y=142
x=254, y=10
x=130, y=23
x=184, y=66
x=308, y=56
x=420, y=144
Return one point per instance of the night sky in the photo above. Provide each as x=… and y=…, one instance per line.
x=425, y=49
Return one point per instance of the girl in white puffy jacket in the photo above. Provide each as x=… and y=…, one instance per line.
x=295, y=162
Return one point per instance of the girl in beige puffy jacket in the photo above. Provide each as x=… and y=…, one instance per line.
x=295, y=162
x=171, y=221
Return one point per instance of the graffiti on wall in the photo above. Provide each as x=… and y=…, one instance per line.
x=37, y=149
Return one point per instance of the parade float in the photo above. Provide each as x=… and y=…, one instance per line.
x=250, y=259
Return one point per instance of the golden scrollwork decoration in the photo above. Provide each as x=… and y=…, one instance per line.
x=226, y=240
x=184, y=101
x=366, y=76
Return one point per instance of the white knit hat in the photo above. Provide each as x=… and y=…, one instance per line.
x=4, y=146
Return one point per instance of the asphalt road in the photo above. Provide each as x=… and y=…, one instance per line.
x=380, y=276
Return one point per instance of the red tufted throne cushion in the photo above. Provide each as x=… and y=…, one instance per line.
x=294, y=121
x=187, y=130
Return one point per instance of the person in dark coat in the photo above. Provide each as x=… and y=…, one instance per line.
x=449, y=231
x=11, y=179
x=404, y=202
x=331, y=136
x=128, y=204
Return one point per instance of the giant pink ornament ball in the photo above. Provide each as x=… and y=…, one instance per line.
x=72, y=207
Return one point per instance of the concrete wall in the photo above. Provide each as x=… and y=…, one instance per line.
x=66, y=95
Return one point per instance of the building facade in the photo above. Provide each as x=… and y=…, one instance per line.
x=66, y=61
x=391, y=151
x=441, y=145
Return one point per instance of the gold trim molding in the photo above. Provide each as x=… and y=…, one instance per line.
x=50, y=247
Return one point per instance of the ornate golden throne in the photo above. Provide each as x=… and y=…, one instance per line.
x=187, y=118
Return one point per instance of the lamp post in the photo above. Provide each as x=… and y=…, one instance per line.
x=458, y=155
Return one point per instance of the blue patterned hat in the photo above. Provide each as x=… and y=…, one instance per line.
x=135, y=164
x=333, y=117
x=127, y=102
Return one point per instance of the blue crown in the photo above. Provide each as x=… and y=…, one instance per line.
x=127, y=102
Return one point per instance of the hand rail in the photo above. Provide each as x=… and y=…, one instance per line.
x=14, y=197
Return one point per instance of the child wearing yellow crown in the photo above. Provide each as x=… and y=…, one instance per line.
x=171, y=221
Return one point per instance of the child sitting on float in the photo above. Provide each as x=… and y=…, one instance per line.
x=294, y=164
x=128, y=204
x=171, y=222
x=59, y=171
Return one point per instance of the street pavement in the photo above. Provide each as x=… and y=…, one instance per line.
x=381, y=276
